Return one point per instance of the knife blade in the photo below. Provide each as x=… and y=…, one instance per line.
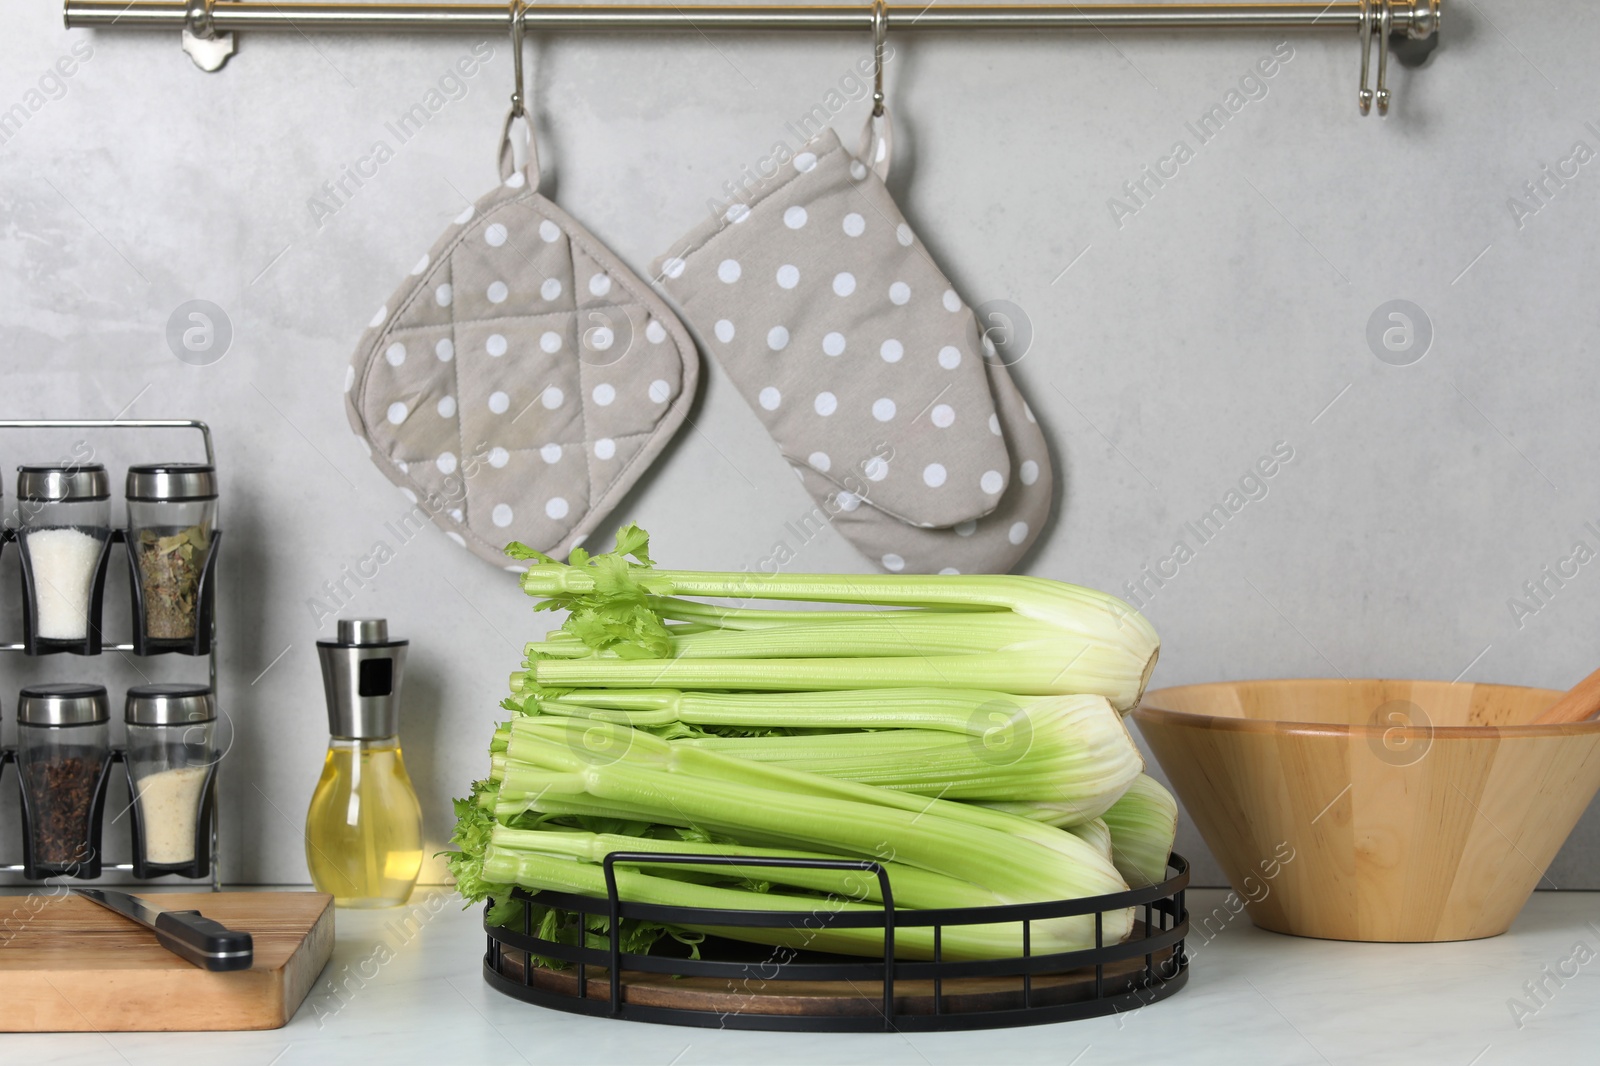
x=189, y=935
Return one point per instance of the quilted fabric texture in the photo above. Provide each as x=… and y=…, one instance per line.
x=867, y=367
x=522, y=379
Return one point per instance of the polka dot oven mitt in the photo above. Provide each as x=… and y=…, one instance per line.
x=522, y=379
x=867, y=368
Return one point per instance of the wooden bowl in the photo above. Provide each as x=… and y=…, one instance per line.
x=1375, y=810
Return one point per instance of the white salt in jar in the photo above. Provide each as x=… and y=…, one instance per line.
x=171, y=753
x=64, y=524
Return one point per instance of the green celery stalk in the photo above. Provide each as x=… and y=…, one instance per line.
x=1063, y=748
x=1079, y=640
x=767, y=806
x=724, y=617
x=1054, y=667
x=1095, y=832
x=911, y=886
x=990, y=940
x=898, y=633
x=1143, y=824
x=965, y=711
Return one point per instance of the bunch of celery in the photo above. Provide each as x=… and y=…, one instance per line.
x=947, y=727
x=1136, y=832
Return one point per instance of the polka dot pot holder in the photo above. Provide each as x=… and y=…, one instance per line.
x=522, y=378
x=867, y=368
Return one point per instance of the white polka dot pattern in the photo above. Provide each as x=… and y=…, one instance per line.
x=842, y=335
x=550, y=376
x=992, y=543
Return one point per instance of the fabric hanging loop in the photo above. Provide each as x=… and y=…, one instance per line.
x=519, y=110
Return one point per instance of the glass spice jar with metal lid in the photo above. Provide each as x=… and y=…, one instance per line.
x=63, y=526
x=172, y=511
x=171, y=753
x=63, y=749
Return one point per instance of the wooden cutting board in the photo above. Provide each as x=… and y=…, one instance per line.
x=68, y=965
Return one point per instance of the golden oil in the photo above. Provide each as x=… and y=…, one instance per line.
x=364, y=827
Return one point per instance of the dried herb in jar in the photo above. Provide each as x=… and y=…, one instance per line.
x=60, y=799
x=169, y=573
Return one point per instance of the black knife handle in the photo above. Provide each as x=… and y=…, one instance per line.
x=195, y=938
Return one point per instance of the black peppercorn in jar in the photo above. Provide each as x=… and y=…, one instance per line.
x=172, y=510
x=63, y=745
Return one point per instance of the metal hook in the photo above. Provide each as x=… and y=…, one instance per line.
x=1383, y=56
x=880, y=32
x=208, y=48
x=518, y=9
x=1365, y=30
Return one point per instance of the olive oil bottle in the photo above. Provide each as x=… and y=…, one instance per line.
x=364, y=827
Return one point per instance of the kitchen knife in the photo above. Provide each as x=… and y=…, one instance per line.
x=187, y=934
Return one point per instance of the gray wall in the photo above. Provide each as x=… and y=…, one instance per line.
x=1175, y=340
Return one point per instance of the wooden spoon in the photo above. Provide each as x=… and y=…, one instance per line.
x=1581, y=702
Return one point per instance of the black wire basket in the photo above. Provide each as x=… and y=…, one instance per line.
x=734, y=985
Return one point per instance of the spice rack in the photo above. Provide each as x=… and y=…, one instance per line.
x=206, y=865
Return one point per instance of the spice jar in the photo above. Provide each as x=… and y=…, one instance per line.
x=64, y=522
x=172, y=509
x=170, y=755
x=63, y=746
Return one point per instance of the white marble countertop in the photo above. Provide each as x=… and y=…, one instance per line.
x=401, y=994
